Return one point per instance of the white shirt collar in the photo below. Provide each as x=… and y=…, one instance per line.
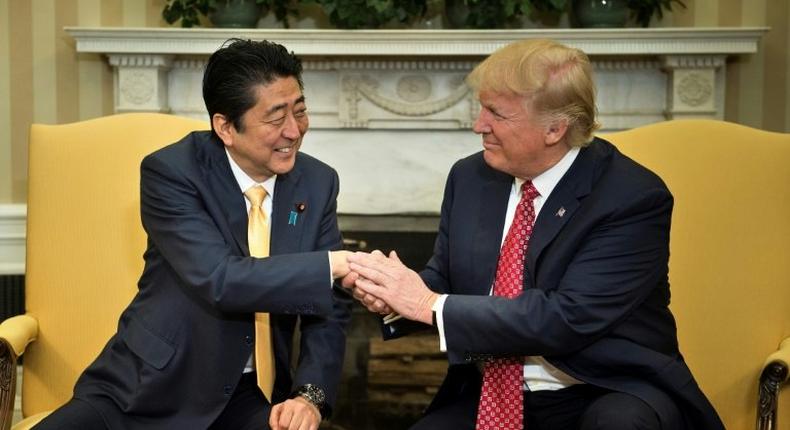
x=546, y=181
x=244, y=180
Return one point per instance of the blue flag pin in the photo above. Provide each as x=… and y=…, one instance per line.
x=300, y=207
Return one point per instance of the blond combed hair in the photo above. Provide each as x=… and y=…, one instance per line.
x=555, y=80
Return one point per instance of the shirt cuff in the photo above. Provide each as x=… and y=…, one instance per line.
x=331, y=279
x=438, y=307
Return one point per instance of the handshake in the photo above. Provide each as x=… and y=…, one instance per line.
x=384, y=285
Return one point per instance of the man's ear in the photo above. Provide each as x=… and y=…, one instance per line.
x=224, y=128
x=555, y=131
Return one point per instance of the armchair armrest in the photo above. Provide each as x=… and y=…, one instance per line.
x=774, y=374
x=18, y=332
x=15, y=334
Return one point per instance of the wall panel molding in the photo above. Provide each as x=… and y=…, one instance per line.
x=13, y=218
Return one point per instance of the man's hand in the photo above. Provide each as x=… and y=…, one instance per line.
x=389, y=280
x=339, y=262
x=295, y=414
x=372, y=303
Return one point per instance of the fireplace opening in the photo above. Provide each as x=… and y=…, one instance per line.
x=387, y=385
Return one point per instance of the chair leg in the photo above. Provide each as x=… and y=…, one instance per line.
x=771, y=380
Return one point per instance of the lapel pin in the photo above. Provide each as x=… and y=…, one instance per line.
x=561, y=212
x=292, y=218
x=300, y=207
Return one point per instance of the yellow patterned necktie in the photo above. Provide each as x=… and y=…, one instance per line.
x=258, y=239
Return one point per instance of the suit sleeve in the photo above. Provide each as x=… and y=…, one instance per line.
x=176, y=216
x=436, y=272
x=618, y=264
x=323, y=338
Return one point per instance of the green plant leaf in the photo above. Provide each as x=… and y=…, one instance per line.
x=509, y=7
x=559, y=5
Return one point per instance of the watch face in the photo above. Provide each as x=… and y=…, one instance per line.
x=313, y=394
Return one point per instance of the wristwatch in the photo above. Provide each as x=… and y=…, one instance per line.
x=312, y=394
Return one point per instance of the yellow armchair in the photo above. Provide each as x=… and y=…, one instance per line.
x=84, y=251
x=729, y=265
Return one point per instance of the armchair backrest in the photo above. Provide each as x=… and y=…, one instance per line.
x=84, y=241
x=729, y=265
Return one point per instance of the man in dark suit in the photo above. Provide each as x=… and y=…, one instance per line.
x=549, y=279
x=186, y=352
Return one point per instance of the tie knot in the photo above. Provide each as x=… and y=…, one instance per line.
x=529, y=192
x=255, y=195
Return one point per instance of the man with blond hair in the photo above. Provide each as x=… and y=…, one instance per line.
x=548, y=282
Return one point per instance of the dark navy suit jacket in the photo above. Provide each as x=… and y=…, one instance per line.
x=596, y=291
x=183, y=342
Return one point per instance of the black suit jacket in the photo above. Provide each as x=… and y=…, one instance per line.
x=596, y=292
x=183, y=342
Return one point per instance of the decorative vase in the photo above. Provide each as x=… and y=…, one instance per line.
x=236, y=14
x=599, y=13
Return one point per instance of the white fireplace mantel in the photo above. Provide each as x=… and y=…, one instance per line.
x=389, y=108
x=322, y=43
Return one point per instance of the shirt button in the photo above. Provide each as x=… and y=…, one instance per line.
x=248, y=340
x=228, y=390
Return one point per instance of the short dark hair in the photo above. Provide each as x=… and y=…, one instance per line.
x=235, y=69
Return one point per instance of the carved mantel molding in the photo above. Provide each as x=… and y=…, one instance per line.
x=389, y=108
x=476, y=43
x=148, y=61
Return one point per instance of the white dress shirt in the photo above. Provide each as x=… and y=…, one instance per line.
x=245, y=183
x=539, y=374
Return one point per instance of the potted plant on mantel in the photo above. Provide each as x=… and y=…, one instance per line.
x=643, y=10
x=615, y=13
x=354, y=14
x=498, y=13
x=226, y=13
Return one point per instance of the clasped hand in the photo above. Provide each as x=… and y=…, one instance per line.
x=383, y=284
x=294, y=414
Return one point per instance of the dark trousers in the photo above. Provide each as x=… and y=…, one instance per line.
x=579, y=407
x=247, y=409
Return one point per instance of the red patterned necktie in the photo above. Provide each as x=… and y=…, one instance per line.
x=502, y=397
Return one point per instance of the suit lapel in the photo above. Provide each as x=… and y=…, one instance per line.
x=495, y=193
x=286, y=226
x=225, y=189
x=563, y=202
x=557, y=210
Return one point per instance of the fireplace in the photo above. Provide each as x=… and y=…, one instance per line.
x=389, y=109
